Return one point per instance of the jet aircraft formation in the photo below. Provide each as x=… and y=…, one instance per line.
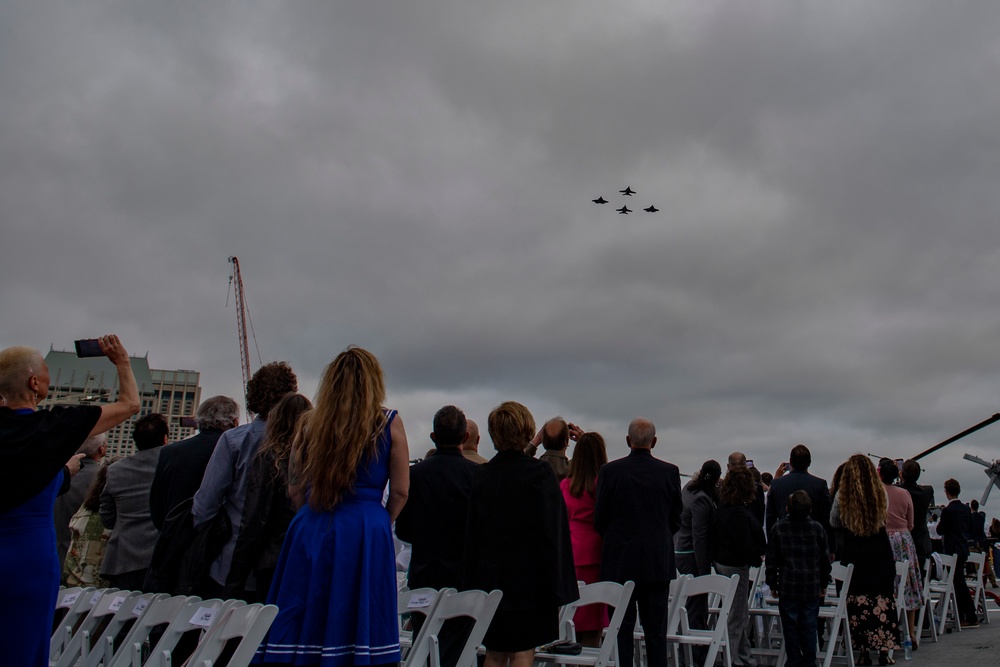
x=625, y=210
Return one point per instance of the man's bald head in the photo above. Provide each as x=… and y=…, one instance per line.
x=737, y=459
x=18, y=365
x=641, y=434
x=555, y=434
x=472, y=442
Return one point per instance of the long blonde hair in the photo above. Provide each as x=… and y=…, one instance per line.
x=862, y=499
x=341, y=431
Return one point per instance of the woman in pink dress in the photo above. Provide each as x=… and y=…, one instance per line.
x=578, y=491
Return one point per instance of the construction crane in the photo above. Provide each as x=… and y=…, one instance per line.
x=236, y=282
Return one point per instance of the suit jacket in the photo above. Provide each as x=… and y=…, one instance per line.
x=517, y=535
x=955, y=528
x=923, y=498
x=434, y=517
x=799, y=480
x=179, y=472
x=637, y=511
x=125, y=509
x=68, y=503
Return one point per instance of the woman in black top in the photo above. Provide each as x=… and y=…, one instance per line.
x=737, y=543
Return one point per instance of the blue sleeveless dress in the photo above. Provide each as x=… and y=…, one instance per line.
x=335, y=582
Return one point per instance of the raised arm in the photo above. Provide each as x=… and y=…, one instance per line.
x=128, y=393
x=399, y=469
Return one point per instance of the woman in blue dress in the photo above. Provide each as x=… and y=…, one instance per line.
x=35, y=445
x=335, y=582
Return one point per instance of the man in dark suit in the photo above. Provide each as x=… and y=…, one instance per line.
x=182, y=464
x=434, y=517
x=637, y=511
x=125, y=507
x=955, y=530
x=923, y=498
x=798, y=479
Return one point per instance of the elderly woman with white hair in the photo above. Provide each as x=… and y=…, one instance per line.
x=35, y=445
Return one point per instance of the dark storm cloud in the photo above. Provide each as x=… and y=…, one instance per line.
x=416, y=178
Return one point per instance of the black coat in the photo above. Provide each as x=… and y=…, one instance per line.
x=517, y=535
x=799, y=480
x=923, y=498
x=955, y=528
x=736, y=537
x=637, y=511
x=179, y=472
x=874, y=564
x=435, y=516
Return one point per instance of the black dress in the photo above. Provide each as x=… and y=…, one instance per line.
x=518, y=541
x=871, y=602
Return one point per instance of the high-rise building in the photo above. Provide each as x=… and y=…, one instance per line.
x=94, y=380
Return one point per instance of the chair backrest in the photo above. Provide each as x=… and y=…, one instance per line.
x=945, y=576
x=417, y=601
x=902, y=572
x=72, y=605
x=977, y=559
x=103, y=648
x=477, y=605
x=170, y=612
x=80, y=643
x=601, y=592
x=249, y=622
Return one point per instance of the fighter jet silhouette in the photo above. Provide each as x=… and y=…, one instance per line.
x=628, y=192
x=600, y=200
x=624, y=210
x=651, y=209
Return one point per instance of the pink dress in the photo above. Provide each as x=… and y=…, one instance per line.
x=587, y=545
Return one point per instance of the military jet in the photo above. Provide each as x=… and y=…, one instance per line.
x=628, y=192
x=624, y=210
x=651, y=209
x=600, y=200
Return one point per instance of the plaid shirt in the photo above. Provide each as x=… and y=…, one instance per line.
x=797, y=566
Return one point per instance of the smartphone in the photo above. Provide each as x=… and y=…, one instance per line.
x=88, y=347
x=899, y=465
x=749, y=463
x=189, y=422
x=785, y=467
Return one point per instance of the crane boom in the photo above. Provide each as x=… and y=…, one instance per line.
x=236, y=279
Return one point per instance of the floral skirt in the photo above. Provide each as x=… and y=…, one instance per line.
x=903, y=548
x=873, y=621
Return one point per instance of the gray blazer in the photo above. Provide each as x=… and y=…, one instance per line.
x=125, y=509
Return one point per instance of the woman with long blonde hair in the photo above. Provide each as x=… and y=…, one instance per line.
x=335, y=582
x=860, y=509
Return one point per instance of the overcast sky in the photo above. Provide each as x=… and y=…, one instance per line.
x=416, y=178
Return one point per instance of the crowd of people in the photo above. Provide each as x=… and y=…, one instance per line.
x=302, y=507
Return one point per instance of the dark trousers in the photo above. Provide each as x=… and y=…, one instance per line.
x=128, y=581
x=652, y=599
x=798, y=627
x=966, y=607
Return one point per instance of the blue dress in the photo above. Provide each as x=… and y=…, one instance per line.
x=335, y=582
x=35, y=446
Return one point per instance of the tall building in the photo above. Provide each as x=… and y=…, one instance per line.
x=93, y=381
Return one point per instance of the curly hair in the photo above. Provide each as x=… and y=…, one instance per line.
x=863, y=503
x=342, y=430
x=738, y=487
x=283, y=429
x=268, y=385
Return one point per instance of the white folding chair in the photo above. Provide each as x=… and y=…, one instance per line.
x=191, y=614
x=835, y=612
x=103, y=648
x=597, y=593
x=249, y=622
x=478, y=605
x=928, y=606
x=606, y=655
x=418, y=601
x=79, y=643
x=939, y=598
x=716, y=637
x=979, y=592
x=77, y=603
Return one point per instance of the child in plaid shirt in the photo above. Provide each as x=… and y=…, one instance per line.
x=797, y=568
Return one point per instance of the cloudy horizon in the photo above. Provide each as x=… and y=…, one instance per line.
x=416, y=178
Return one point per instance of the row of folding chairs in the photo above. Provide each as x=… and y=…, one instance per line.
x=114, y=628
x=940, y=607
x=437, y=607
